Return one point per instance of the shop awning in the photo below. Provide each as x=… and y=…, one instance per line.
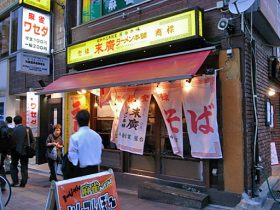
x=148, y=71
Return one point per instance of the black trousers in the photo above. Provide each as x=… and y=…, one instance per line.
x=2, y=170
x=16, y=157
x=86, y=171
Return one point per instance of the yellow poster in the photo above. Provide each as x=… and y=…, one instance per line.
x=74, y=103
x=41, y=4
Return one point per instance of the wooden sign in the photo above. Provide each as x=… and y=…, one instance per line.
x=96, y=191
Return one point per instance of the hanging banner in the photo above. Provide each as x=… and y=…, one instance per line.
x=32, y=113
x=168, y=97
x=95, y=191
x=76, y=103
x=133, y=121
x=200, y=108
x=118, y=97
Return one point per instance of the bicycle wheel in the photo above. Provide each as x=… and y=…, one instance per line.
x=6, y=190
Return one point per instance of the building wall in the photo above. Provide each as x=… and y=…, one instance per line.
x=264, y=135
x=275, y=131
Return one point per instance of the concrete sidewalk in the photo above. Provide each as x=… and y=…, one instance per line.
x=34, y=195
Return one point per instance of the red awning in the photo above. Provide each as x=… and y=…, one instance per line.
x=150, y=71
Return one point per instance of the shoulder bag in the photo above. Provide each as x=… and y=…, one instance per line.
x=29, y=149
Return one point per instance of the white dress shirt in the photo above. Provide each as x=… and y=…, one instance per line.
x=85, y=148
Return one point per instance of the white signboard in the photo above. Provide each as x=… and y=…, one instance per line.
x=34, y=31
x=33, y=64
x=274, y=157
x=32, y=113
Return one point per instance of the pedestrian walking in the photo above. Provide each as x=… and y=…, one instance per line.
x=21, y=136
x=85, y=147
x=54, y=145
x=6, y=143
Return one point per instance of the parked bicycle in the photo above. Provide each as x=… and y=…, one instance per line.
x=6, y=190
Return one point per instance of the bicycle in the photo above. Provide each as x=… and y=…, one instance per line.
x=6, y=190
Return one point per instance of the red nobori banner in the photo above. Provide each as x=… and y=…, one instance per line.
x=96, y=191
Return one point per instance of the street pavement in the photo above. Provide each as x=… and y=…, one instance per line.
x=34, y=197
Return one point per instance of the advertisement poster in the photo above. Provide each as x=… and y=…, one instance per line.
x=74, y=103
x=92, y=192
x=200, y=108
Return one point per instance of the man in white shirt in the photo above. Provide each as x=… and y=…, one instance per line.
x=85, y=147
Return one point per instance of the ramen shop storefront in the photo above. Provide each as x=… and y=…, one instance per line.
x=154, y=116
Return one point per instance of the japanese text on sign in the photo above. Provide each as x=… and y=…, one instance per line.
x=92, y=192
x=168, y=29
x=32, y=113
x=35, y=31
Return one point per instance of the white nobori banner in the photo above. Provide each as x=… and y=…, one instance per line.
x=168, y=97
x=133, y=121
x=200, y=108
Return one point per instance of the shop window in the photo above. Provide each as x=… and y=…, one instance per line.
x=14, y=34
x=166, y=145
x=92, y=9
x=104, y=120
x=4, y=37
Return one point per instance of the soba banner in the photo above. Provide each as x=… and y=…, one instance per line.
x=200, y=108
x=168, y=97
x=95, y=191
x=118, y=97
x=133, y=121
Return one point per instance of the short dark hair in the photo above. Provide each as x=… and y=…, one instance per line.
x=9, y=119
x=17, y=119
x=83, y=117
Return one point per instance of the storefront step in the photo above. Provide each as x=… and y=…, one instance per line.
x=172, y=195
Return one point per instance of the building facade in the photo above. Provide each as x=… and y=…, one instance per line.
x=238, y=48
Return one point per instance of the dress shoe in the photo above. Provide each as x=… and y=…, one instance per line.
x=14, y=184
x=22, y=185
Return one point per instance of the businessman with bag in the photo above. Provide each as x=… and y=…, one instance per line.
x=24, y=147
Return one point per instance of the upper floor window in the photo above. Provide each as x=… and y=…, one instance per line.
x=4, y=36
x=92, y=9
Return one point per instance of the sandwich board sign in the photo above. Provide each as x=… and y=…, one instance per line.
x=91, y=192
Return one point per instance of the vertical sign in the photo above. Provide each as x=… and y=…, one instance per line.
x=32, y=114
x=34, y=31
x=76, y=103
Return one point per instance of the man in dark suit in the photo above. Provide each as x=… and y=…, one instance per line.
x=18, y=152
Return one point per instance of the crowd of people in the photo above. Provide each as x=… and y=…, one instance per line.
x=83, y=156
